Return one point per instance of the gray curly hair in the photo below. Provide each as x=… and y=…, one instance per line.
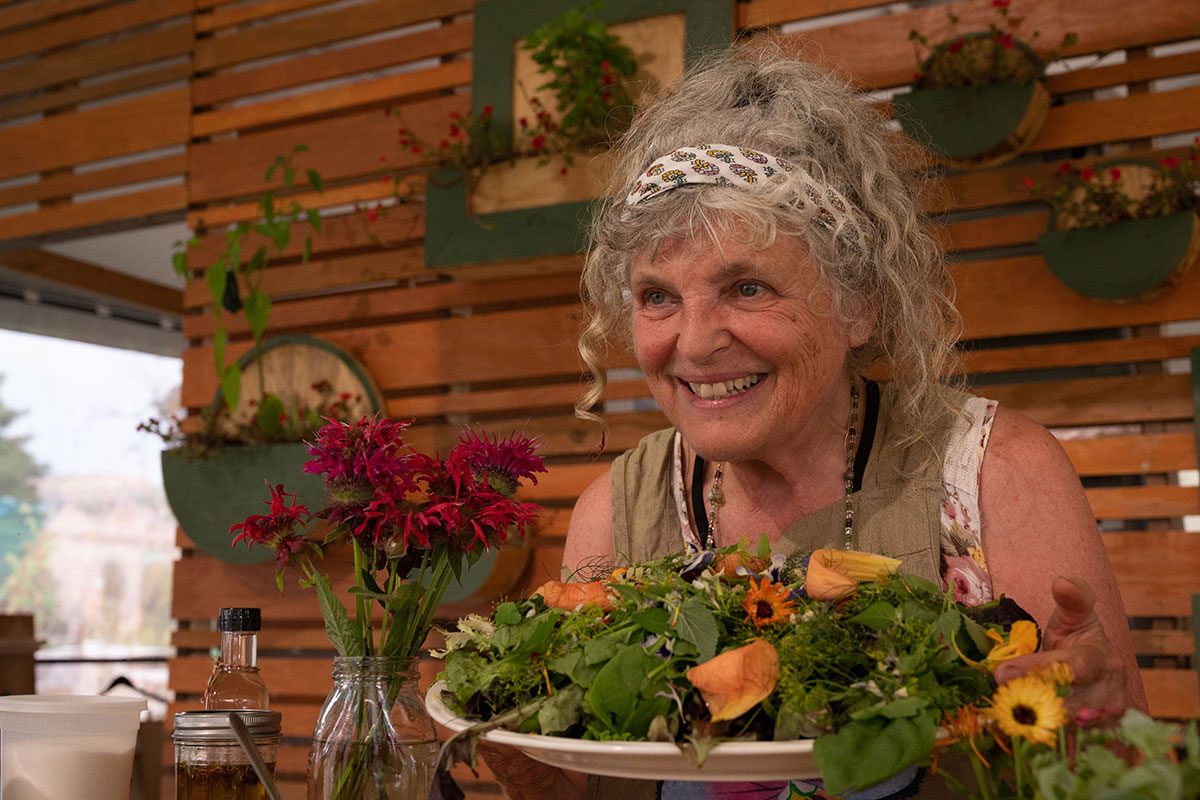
x=755, y=96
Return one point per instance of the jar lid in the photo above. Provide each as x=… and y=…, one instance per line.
x=214, y=724
x=239, y=619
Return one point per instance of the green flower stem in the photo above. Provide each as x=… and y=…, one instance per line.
x=985, y=791
x=1019, y=764
x=362, y=613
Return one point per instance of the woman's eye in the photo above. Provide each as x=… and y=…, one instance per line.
x=654, y=297
x=749, y=289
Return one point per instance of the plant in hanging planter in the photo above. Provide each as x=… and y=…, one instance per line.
x=1123, y=229
x=413, y=522
x=230, y=272
x=586, y=68
x=977, y=98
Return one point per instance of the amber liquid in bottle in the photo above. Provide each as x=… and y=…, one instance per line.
x=236, y=682
x=220, y=782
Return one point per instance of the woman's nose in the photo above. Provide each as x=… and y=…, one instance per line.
x=703, y=332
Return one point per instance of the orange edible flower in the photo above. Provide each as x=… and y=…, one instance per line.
x=768, y=603
x=571, y=596
x=737, y=680
x=727, y=565
x=823, y=583
x=1022, y=640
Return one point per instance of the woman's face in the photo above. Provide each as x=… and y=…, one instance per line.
x=739, y=346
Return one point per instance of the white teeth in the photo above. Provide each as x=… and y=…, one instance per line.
x=724, y=388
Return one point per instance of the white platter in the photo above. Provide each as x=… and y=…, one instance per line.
x=730, y=761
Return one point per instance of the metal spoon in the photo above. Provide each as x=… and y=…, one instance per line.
x=256, y=761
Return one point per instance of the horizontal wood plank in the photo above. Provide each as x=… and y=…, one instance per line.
x=1157, y=571
x=91, y=277
x=350, y=60
x=1017, y=296
x=63, y=185
x=1132, y=454
x=303, y=32
x=1137, y=350
x=876, y=52
x=1144, y=502
x=112, y=19
x=72, y=95
x=128, y=206
x=210, y=20
x=1172, y=693
x=131, y=126
x=139, y=47
x=17, y=14
x=371, y=93
x=1099, y=401
x=233, y=168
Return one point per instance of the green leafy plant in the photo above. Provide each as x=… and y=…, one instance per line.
x=1086, y=197
x=983, y=57
x=586, y=68
x=232, y=270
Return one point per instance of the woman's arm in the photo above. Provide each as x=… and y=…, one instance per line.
x=589, y=536
x=589, y=541
x=1044, y=551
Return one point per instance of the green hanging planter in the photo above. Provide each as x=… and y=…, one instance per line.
x=209, y=495
x=974, y=128
x=1127, y=261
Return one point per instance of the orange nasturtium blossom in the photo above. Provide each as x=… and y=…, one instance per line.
x=727, y=564
x=570, y=596
x=823, y=583
x=1022, y=640
x=857, y=565
x=737, y=680
x=768, y=603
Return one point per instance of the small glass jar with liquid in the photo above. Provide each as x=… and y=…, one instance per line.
x=209, y=762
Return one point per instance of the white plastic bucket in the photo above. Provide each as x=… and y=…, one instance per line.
x=54, y=747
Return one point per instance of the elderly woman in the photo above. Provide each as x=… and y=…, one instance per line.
x=763, y=254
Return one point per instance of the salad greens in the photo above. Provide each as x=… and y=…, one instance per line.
x=658, y=650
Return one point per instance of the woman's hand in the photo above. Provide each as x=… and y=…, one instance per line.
x=1075, y=636
x=524, y=778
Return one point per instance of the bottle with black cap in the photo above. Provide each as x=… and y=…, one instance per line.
x=236, y=681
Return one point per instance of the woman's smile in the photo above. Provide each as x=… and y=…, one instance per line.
x=727, y=388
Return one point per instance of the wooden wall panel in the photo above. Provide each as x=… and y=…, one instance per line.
x=496, y=342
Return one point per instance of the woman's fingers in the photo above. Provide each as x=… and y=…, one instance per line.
x=1075, y=637
x=524, y=778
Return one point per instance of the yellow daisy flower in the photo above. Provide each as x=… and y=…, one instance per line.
x=1058, y=672
x=768, y=603
x=1028, y=708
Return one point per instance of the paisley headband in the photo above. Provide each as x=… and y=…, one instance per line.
x=728, y=165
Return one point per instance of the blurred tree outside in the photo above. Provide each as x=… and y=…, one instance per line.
x=20, y=516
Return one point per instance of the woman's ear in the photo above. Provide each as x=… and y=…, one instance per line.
x=862, y=323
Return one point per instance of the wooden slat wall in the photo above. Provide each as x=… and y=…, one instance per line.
x=83, y=84
x=495, y=343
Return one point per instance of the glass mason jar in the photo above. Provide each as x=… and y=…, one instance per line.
x=209, y=762
x=373, y=739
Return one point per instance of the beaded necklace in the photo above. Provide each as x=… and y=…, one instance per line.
x=716, y=497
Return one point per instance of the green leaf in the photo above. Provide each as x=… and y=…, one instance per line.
x=307, y=253
x=561, y=710
x=342, y=633
x=864, y=752
x=179, y=261
x=696, y=624
x=258, y=309
x=314, y=219
x=507, y=614
x=878, y=616
x=614, y=692
x=257, y=261
x=219, y=337
x=314, y=178
x=216, y=275
x=231, y=385
x=655, y=620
